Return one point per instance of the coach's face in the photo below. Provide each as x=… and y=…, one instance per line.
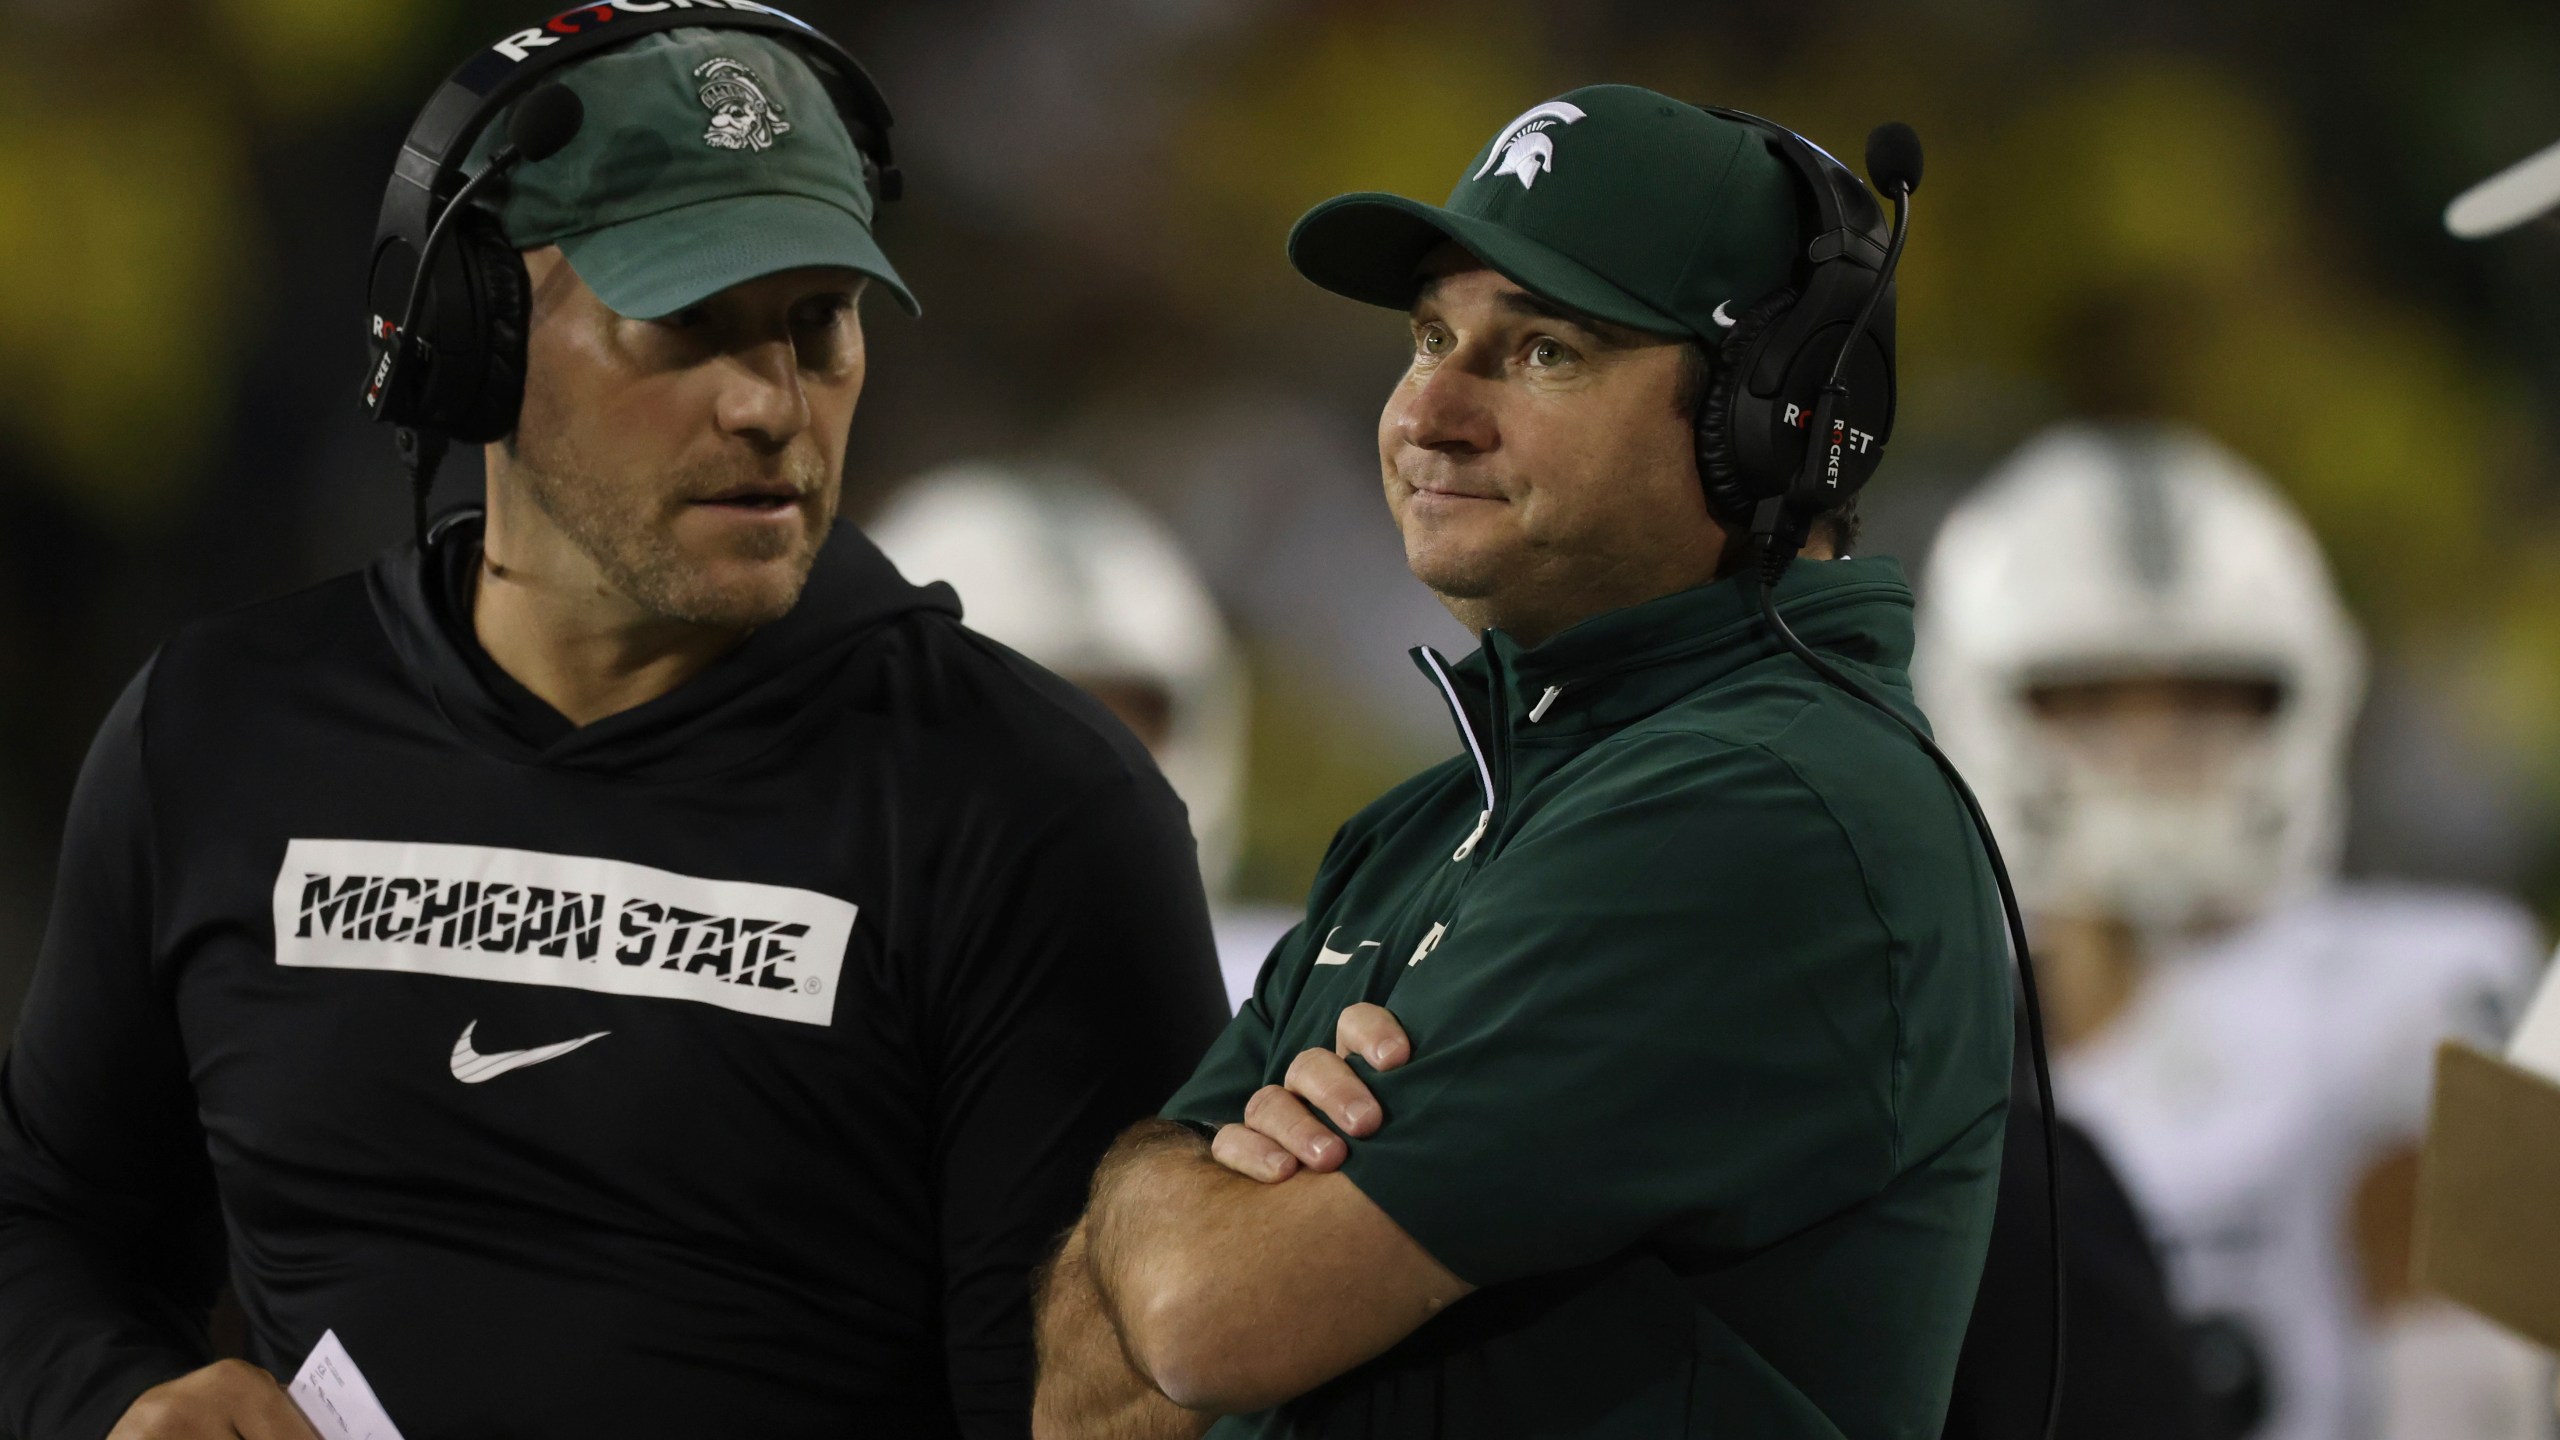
x=695, y=460
x=1539, y=465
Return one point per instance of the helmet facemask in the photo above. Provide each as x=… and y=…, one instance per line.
x=2153, y=800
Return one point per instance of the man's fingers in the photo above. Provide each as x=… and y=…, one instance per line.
x=266, y=1412
x=227, y=1399
x=1285, y=1119
x=1326, y=1082
x=1251, y=1154
x=1373, y=1033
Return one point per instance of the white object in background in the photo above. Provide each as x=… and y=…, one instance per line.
x=2536, y=1043
x=2523, y=191
x=332, y=1394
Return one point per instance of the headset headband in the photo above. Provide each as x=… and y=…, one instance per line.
x=428, y=170
x=1847, y=221
x=1848, y=231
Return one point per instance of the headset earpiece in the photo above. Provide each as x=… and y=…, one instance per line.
x=1754, y=421
x=504, y=289
x=1729, y=486
x=469, y=380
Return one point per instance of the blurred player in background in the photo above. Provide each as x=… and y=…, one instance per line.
x=1084, y=582
x=2133, y=647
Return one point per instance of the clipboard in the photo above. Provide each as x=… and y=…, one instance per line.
x=2489, y=1192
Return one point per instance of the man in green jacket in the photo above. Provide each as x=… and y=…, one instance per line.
x=1642, y=1070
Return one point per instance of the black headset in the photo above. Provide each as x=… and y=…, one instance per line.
x=448, y=297
x=1761, y=411
x=1793, y=423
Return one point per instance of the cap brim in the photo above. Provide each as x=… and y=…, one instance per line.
x=658, y=264
x=2523, y=191
x=1370, y=247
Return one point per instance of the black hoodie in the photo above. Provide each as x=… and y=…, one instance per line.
x=721, y=1067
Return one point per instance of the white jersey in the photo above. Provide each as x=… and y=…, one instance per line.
x=2251, y=1081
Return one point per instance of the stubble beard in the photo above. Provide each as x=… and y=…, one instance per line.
x=630, y=537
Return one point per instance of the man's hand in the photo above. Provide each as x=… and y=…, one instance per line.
x=1279, y=1134
x=228, y=1399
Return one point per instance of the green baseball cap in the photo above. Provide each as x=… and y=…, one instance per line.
x=1613, y=200
x=707, y=158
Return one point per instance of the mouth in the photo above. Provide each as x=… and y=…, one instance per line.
x=754, y=499
x=1442, y=490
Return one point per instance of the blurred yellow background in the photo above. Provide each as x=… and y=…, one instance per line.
x=2222, y=213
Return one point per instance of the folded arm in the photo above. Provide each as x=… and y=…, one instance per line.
x=1088, y=1388
x=1231, y=1295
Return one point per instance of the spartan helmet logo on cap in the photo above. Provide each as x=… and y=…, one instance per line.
x=1523, y=148
x=743, y=116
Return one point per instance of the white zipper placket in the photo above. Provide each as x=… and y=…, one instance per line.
x=1475, y=748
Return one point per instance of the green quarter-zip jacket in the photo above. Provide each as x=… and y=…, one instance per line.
x=1706, y=982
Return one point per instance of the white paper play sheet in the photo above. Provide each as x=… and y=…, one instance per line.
x=330, y=1392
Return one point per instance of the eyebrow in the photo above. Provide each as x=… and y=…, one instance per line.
x=1523, y=302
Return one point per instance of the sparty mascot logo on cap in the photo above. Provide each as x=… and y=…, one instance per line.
x=1523, y=148
x=743, y=116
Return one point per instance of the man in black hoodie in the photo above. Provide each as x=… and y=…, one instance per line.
x=634, y=966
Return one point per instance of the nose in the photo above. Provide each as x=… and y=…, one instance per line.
x=761, y=399
x=1443, y=409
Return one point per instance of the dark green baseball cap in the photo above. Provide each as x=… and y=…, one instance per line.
x=707, y=158
x=1613, y=200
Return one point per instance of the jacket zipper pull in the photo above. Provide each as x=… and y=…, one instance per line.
x=1538, y=711
x=1467, y=847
